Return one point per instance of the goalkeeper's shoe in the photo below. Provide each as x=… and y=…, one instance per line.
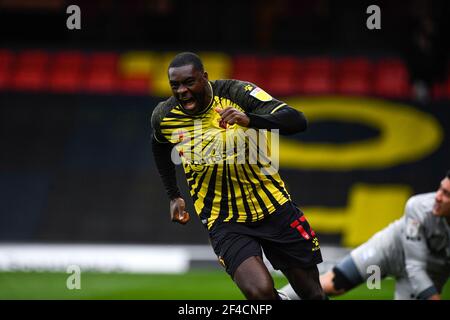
x=282, y=295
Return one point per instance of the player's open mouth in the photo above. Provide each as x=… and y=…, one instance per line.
x=188, y=104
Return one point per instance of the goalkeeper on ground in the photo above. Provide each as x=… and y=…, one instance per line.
x=415, y=250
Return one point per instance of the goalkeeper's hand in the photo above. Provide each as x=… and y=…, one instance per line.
x=177, y=212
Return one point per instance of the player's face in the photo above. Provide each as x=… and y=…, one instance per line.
x=442, y=201
x=190, y=87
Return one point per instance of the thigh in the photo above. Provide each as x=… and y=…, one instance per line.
x=305, y=282
x=254, y=280
x=233, y=246
x=289, y=241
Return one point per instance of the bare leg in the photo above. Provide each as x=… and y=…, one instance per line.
x=254, y=280
x=305, y=282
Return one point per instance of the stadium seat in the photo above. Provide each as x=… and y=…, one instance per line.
x=140, y=85
x=66, y=72
x=217, y=64
x=32, y=58
x=6, y=58
x=101, y=73
x=354, y=76
x=160, y=83
x=101, y=82
x=447, y=89
x=6, y=63
x=136, y=68
x=137, y=63
x=438, y=91
x=31, y=71
x=103, y=60
x=391, y=79
x=281, y=75
x=441, y=90
x=249, y=68
x=316, y=76
x=29, y=79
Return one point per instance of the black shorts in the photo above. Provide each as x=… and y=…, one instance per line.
x=285, y=236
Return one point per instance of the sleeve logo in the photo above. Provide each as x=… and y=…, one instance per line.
x=261, y=95
x=412, y=229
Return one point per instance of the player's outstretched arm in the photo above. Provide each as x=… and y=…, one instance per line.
x=287, y=119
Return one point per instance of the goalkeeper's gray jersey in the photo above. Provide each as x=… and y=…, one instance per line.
x=417, y=246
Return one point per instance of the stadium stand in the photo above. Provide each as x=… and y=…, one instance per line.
x=144, y=73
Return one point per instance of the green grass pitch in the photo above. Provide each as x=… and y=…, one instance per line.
x=194, y=285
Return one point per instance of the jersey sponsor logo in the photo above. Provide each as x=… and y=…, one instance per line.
x=261, y=95
x=412, y=230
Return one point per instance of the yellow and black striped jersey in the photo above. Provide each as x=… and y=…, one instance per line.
x=224, y=182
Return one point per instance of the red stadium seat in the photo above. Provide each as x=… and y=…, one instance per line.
x=391, y=79
x=353, y=76
x=438, y=91
x=247, y=62
x=316, y=76
x=66, y=72
x=32, y=58
x=249, y=68
x=31, y=71
x=441, y=90
x=64, y=80
x=69, y=59
x=101, y=73
x=29, y=79
x=101, y=82
x=447, y=89
x=6, y=64
x=135, y=85
x=281, y=75
x=6, y=59
x=104, y=60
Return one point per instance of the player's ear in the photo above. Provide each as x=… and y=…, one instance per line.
x=205, y=75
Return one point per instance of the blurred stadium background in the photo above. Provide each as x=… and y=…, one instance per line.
x=78, y=184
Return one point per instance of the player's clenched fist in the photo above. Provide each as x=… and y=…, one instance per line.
x=177, y=212
x=232, y=116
